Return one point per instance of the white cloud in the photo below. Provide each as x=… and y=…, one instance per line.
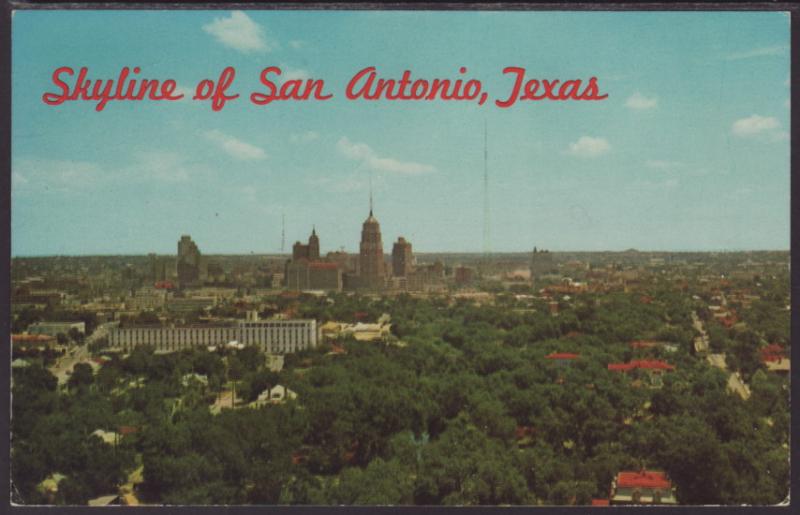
x=659, y=164
x=758, y=52
x=161, y=165
x=36, y=174
x=587, y=146
x=297, y=44
x=288, y=73
x=239, y=32
x=362, y=152
x=639, y=101
x=304, y=137
x=754, y=124
x=235, y=147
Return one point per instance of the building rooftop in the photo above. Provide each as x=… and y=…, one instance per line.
x=643, y=479
x=31, y=338
x=647, y=364
x=772, y=352
x=562, y=355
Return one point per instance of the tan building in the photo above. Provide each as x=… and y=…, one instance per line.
x=371, y=267
x=187, y=305
x=309, y=251
x=402, y=258
x=303, y=275
x=307, y=271
x=148, y=298
x=188, y=263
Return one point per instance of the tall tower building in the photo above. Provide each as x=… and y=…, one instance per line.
x=541, y=263
x=188, y=262
x=401, y=258
x=309, y=251
x=313, y=245
x=370, y=261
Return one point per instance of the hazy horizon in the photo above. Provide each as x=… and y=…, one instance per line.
x=422, y=253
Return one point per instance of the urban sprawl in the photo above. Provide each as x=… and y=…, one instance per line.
x=533, y=378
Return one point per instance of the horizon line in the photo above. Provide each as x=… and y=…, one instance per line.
x=477, y=252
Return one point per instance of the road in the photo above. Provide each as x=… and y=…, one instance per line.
x=737, y=385
x=735, y=382
x=700, y=342
x=225, y=401
x=63, y=366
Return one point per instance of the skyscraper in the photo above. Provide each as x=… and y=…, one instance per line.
x=307, y=271
x=188, y=263
x=309, y=251
x=541, y=263
x=401, y=258
x=313, y=245
x=370, y=258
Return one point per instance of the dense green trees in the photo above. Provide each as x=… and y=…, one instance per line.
x=53, y=433
x=462, y=409
x=82, y=376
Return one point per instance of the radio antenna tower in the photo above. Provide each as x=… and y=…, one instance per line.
x=486, y=245
x=283, y=231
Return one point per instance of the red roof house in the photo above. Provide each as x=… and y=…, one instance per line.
x=32, y=338
x=772, y=352
x=642, y=487
x=643, y=479
x=773, y=356
x=645, y=364
x=562, y=355
x=644, y=344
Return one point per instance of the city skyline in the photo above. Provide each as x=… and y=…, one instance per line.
x=690, y=152
x=387, y=253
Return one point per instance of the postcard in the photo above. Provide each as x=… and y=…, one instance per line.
x=399, y=257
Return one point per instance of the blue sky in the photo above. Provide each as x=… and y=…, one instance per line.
x=689, y=152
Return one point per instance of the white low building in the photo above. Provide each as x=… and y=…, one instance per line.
x=56, y=328
x=275, y=395
x=271, y=336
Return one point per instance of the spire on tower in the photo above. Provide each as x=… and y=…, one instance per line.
x=370, y=194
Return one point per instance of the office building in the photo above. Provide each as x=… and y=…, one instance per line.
x=371, y=267
x=402, y=258
x=271, y=336
x=188, y=263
